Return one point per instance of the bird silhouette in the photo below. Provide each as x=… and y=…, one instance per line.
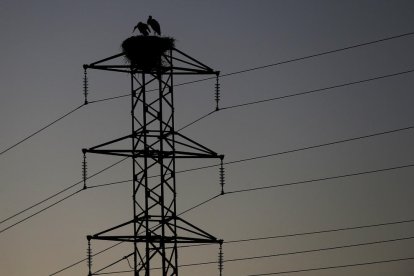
x=142, y=28
x=154, y=25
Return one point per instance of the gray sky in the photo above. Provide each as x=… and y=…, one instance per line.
x=45, y=43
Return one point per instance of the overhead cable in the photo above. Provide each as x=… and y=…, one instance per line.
x=40, y=130
x=334, y=267
x=278, y=254
x=318, y=90
x=56, y=194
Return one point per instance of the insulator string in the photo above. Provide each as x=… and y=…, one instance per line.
x=222, y=179
x=220, y=259
x=84, y=169
x=85, y=85
x=217, y=94
x=89, y=254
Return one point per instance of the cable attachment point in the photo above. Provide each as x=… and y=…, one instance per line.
x=84, y=169
x=85, y=84
x=220, y=259
x=217, y=94
x=222, y=179
x=89, y=255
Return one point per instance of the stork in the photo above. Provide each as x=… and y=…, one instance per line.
x=154, y=25
x=142, y=28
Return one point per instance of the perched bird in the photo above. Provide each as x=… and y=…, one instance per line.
x=142, y=28
x=154, y=25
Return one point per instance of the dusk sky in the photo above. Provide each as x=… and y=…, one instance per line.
x=43, y=47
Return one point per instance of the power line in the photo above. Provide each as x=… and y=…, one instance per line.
x=109, y=184
x=303, y=148
x=40, y=130
x=200, y=204
x=303, y=58
x=301, y=270
x=113, y=263
x=110, y=98
x=308, y=233
x=323, y=144
x=279, y=63
x=304, y=251
x=277, y=254
x=52, y=196
x=323, y=89
x=321, y=179
x=40, y=211
x=40, y=202
x=335, y=267
x=320, y=249
x=85, y=259
x=324, y=231
x=321, y=53
x=113, y=272
x=197, y=120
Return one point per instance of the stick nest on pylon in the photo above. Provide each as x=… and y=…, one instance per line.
x=145, y=52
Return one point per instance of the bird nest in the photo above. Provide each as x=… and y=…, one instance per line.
x=145, y=52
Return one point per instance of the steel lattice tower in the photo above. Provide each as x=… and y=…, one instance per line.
x=156, y=229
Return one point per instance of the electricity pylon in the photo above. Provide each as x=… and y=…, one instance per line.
x=153, y=147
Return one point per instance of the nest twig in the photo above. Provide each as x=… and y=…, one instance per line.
x=145, y=52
